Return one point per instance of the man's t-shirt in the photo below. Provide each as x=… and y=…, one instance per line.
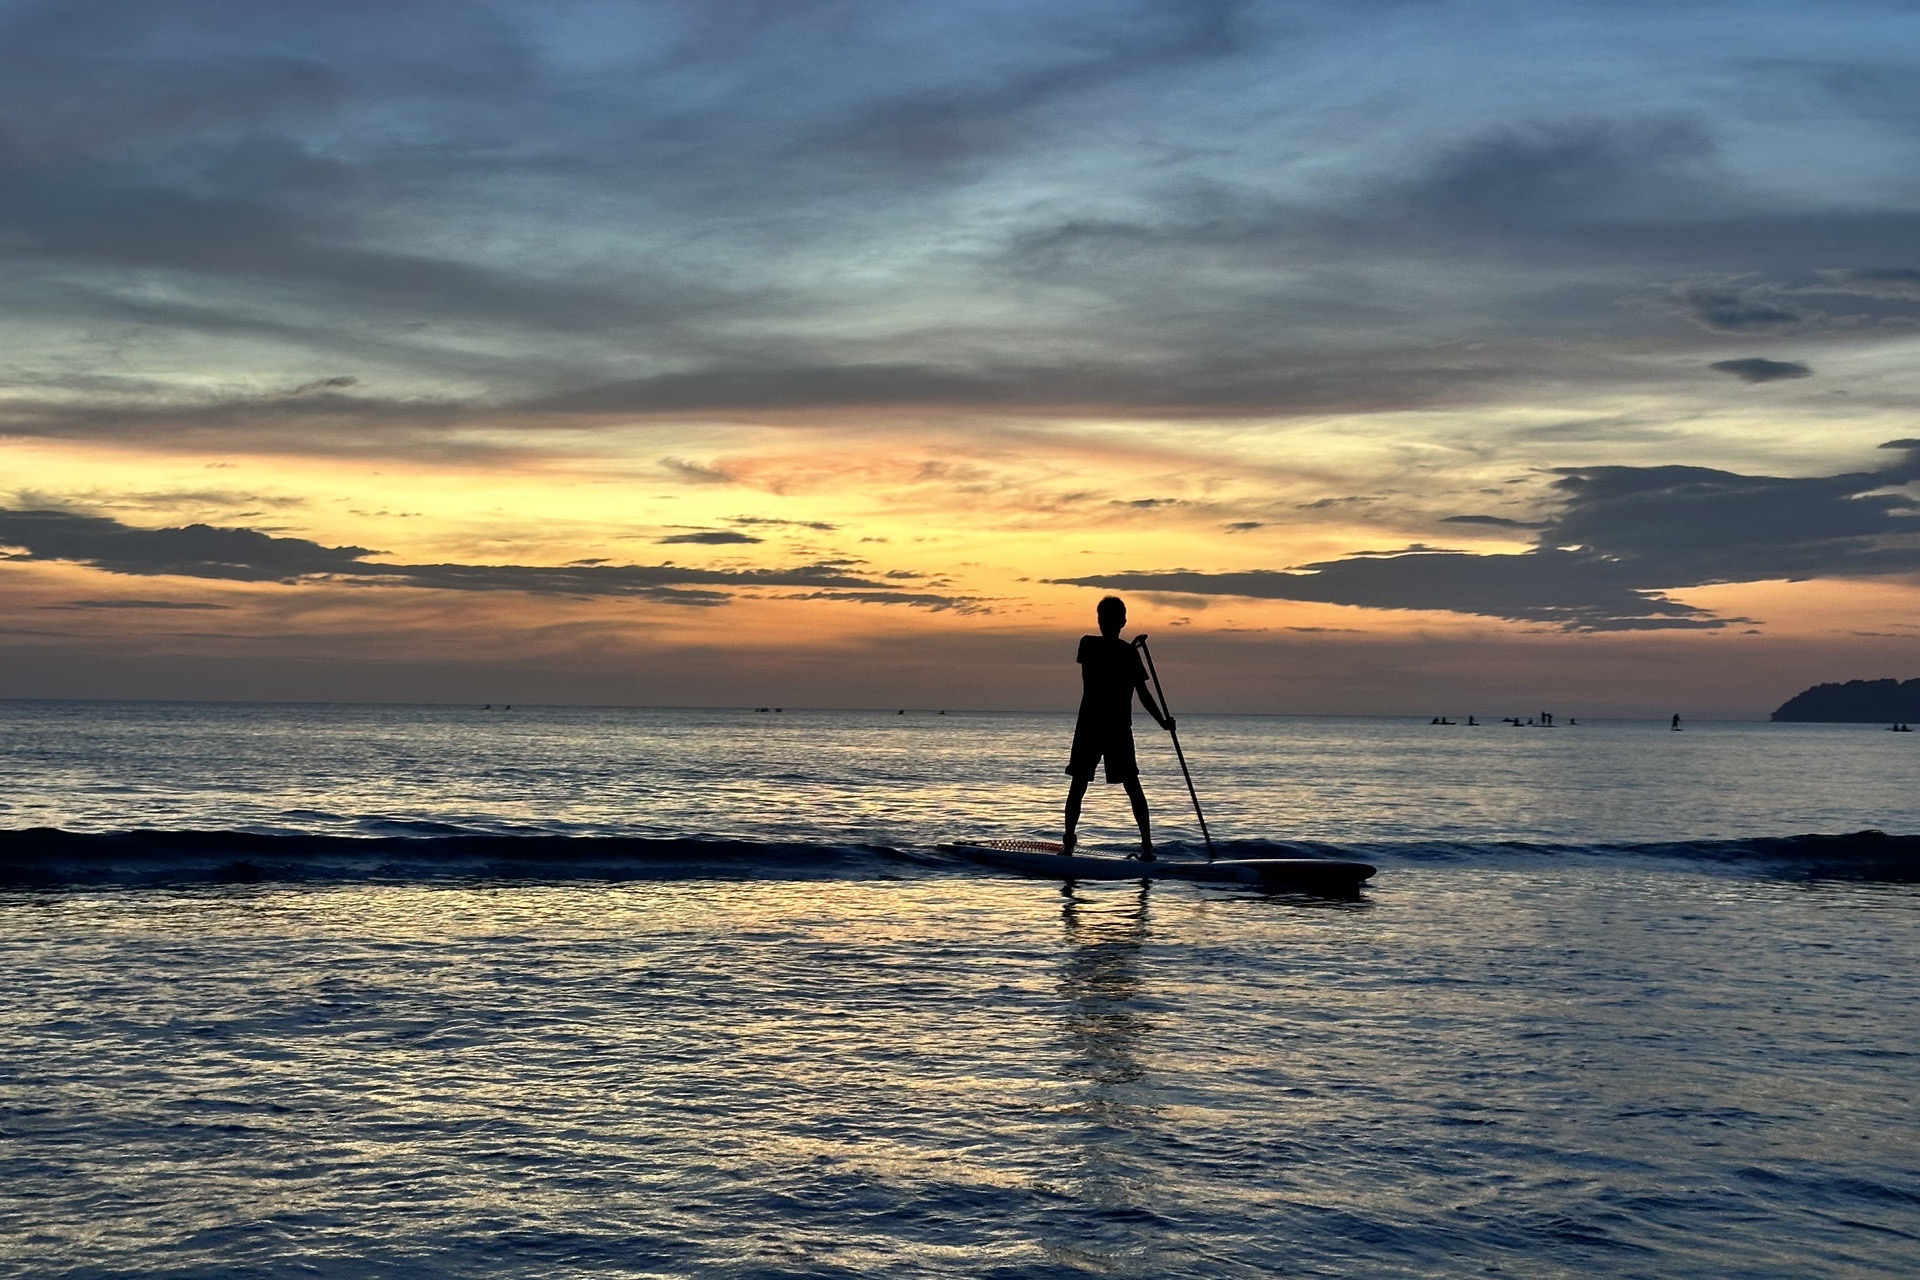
x=1110, y=670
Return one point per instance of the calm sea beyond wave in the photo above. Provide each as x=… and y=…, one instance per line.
x=350, y=991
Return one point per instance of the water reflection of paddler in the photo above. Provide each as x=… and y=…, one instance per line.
x=1100, y=980
x=1116, y=1143
x=1111, y=673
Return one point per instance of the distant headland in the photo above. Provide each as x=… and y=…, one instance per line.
x=1855, y=702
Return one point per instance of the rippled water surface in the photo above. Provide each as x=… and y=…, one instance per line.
x=1552, y=1061
x=873, y=777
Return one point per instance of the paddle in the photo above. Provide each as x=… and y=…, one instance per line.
x=1140, y=643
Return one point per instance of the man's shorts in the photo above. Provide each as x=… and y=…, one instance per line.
x=1093, y=743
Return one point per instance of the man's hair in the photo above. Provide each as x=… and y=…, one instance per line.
x=1111, y=605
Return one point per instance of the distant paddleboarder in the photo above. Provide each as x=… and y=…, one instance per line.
x=1111, y=673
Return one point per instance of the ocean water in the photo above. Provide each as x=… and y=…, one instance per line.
x=429, y=991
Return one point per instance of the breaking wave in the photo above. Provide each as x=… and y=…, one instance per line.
x=46, y=856
x=1857, y=855
x=427, y=851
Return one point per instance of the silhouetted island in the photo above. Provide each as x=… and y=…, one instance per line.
x=1855, y=702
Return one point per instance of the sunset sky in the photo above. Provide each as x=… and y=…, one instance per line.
x=1387, y=357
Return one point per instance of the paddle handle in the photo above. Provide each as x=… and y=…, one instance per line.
x=1140, y=643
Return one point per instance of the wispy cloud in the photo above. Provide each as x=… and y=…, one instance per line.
x=777, y=522
x=1902, y=283
x=932, y=601
x=137, y=604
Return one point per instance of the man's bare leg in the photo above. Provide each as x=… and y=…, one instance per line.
x=1139, y=799
x=1075, y=794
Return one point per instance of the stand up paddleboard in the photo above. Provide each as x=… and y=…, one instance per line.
x=1050, y=861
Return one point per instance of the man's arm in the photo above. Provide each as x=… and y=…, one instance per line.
x=1153, y=708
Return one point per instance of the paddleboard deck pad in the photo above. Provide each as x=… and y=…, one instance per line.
x=1048, y=860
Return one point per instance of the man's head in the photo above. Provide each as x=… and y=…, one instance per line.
x=1113, y=615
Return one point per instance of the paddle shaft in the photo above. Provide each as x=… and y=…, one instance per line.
x=1140, y=643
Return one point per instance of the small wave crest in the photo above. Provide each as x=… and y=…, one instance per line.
x=1857, y=855
x=49, y=857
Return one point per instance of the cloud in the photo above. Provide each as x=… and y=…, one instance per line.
x=1495, y=522
x=773, y=387
x=81, y=213
x=1761, y=369
x=195, y=551
x=1558, y=176
x=1197, y=380
x=913, y=599
x=247, y=555
x=710, y=537
x=775, y=522
x=1723, y=307
x=136, y=604
x=1901, y=283
x=696, y=472
x=1622, y=538
x=1330, y=504
x=994, y=109
x=83, y=501
x=315, y=422
x=159, y=70
x=1578, y=592
x=1523, y=227
x=336, y=383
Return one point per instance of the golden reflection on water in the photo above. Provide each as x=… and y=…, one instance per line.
x=952, y=1075
x=1099, y=981
x=1107, y=1041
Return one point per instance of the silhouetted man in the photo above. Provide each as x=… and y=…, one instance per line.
x=1110, y=674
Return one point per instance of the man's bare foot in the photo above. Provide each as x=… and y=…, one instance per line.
x=1146, y=854
x=1067, y=842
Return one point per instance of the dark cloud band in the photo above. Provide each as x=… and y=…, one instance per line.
x=1622, y=539
x=1761, y=369
x=247, y=555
